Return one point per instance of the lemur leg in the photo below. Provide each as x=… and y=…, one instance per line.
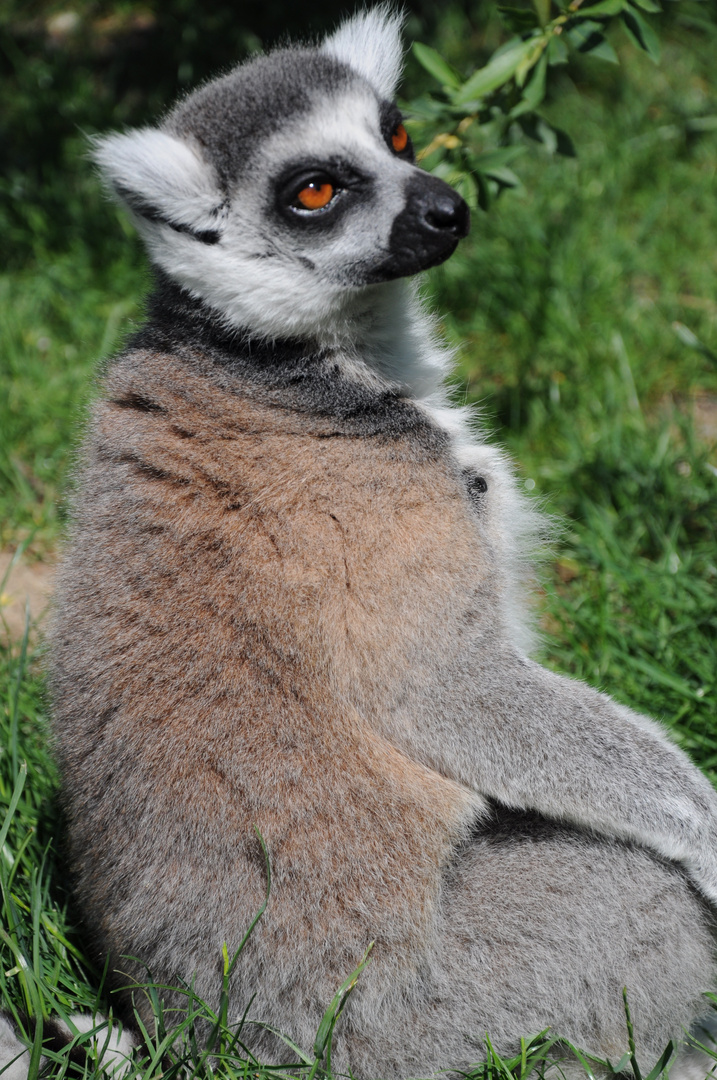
x=542, y=925
x=579, y=918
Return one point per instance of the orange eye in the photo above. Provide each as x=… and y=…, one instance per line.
x=399, y=139
x=316, y=195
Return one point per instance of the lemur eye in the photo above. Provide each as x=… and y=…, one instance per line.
x=315, y=196
x=399, y=139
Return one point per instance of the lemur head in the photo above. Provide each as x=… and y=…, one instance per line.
x=284, y=193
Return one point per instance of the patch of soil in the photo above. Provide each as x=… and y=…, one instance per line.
x=700, y=407
x=704, y=410
x=27, y=581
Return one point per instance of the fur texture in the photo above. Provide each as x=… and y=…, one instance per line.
x=292, y=600
x=109, y=1050
x=371, y=44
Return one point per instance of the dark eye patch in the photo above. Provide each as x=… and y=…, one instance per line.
x=344, y=179
x=391, y=121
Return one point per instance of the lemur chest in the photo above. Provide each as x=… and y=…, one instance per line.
x=355, y=554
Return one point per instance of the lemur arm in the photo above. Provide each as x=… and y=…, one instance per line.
x=532, y=739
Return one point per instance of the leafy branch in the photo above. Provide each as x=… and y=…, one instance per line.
x=472, y=127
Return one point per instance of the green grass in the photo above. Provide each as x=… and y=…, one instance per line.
x=563, y=303
x=59, y=317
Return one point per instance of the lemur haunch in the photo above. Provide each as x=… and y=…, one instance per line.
x=292, y=601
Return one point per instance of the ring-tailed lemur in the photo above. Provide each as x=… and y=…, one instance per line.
x=292, y=601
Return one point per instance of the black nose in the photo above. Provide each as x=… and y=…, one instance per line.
x=444, y=210
x=434, y=218
x=427, y=230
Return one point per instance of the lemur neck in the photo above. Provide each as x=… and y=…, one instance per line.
x=382, y=343
x=338, y=381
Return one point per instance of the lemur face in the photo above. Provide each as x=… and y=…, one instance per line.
x=333, y=199
x=284, y=192
x=350, y=204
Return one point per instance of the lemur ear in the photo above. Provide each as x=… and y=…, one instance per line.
x=162, y=179
x=370, y=43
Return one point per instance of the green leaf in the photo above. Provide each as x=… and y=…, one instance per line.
x=641, y=33
x=423, y=108
x=555, y=140
x=649, y=5
x=267, y=863
x=531, y=60
x=542, y=10
x=496, y=159
x=664, y=678
x=518, y=19
x=504, y=177
x=557, y=51
x=19, y=785
x=621, y=1065
x=285, y=1039
x=604, y=8
x=484, y=199
x=467, y=186
x=534, y=91
x=436, y=66
x=336, y=1007
x=604, y=51
x=701, y=124
x=547, y=135
x=660, y=1067
x=444, y=170
x=587, y=37
x=499, y=69
x=690, y=339
x=565, y=144
x=580, y=33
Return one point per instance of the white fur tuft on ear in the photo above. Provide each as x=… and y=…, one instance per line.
x=370, y=43
x=160, y=177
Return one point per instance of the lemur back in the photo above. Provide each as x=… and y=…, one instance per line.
x=292, y=601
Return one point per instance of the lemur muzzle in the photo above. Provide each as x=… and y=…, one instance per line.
x=428, y=229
